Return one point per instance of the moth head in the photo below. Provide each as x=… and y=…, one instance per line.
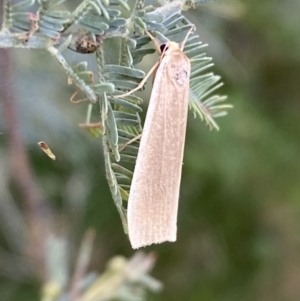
x=164, y=47
x=168, y=47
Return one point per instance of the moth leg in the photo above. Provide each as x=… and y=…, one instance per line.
x=129, y=142
x=79, y=100
x=152, y=70
x=141, y=84
x=186, y=37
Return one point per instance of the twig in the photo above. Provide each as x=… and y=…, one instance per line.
x=82, y=263
x=36, y=206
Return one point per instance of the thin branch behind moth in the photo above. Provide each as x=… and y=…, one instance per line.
x=154, y=193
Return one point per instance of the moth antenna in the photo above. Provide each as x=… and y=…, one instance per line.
x=156, y=45
x=186, y=37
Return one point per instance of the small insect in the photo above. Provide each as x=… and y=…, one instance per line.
x=154, y=193
x=43, y=145
x=85, y=43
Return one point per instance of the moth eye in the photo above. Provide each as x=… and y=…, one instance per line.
x=164, y=47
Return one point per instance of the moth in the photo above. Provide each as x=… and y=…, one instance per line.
x=154, y=193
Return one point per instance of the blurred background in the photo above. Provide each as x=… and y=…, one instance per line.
x=239, y=215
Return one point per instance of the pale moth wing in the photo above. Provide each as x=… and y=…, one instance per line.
x=154, y=194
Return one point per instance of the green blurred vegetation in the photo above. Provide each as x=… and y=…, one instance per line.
x=239, y=217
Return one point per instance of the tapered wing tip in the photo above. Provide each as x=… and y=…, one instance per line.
x=137, y=244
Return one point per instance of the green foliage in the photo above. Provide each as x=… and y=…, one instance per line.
x=238, y=224
x=96, y=26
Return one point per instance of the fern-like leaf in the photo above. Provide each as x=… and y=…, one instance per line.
x=203, y=102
